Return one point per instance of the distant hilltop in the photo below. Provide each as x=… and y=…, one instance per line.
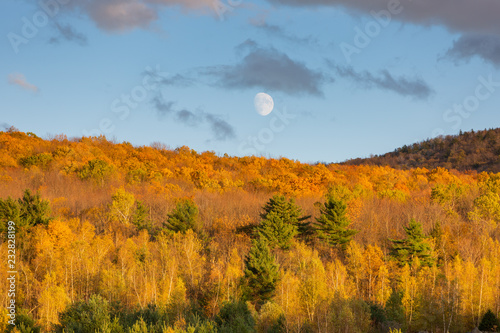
x=474, y=150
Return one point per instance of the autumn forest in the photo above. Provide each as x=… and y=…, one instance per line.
x=110, y=237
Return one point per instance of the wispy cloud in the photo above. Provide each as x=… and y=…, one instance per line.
x=273, y=30
x=5, y=126
x=279, y=32
x=165, y=79
x=268, y=69
x=486, y=47
x=69, y=34
x=414, y=87
x=163, y=108
x=19, y=79
x=220, y=128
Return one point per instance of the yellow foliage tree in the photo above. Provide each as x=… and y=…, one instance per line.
x=52, y=300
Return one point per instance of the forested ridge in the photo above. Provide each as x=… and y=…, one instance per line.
x=474, y=150
x=116, y=238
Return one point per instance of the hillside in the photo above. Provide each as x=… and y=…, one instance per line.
x=116, y=238
x=478, y=151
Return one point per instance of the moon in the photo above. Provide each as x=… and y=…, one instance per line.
x=264, y=104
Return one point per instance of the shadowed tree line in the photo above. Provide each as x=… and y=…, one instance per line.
x=474, y=150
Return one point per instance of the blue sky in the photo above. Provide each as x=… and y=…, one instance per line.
x=345, y=84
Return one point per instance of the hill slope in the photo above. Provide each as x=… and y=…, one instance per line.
x=478, y=151
x=107, y=230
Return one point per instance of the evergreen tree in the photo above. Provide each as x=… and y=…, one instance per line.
x=34, y=210
x=9, y=211
x=24, y=323
x=183, y=217
x=332, y=224
x=26, y=212
x=289, y=212
x=91, y=316
x=489, y=323
x=413, y=246
x=437, y=236
x=394, y=307
x=235, y=317
x=141, y=217
x=261, y=271
x=276, y=231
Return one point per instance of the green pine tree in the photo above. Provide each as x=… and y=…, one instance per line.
x=261, y=271
x=394, y=307
x=235, y=317
x=332, y=225
x=276, y=231
x=413, y=246
x=183, y=217
x=9, y=211
x=140, y=218
x=290, y=213
x=34, y=210
x=489, y=323
x=26, y=212
x=436, y=235
x=88, y=316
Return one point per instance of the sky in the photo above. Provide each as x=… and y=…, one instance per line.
x=349, y=78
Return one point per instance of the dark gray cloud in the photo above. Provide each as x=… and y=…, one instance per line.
x=163, y=108
x=67, y=33
x=268, y=69
x=468, y=46
x=463, y=16
x=416, y=88
x=221, y=129
x=189, y=118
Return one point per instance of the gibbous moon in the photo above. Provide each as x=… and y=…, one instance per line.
x=264, y=104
